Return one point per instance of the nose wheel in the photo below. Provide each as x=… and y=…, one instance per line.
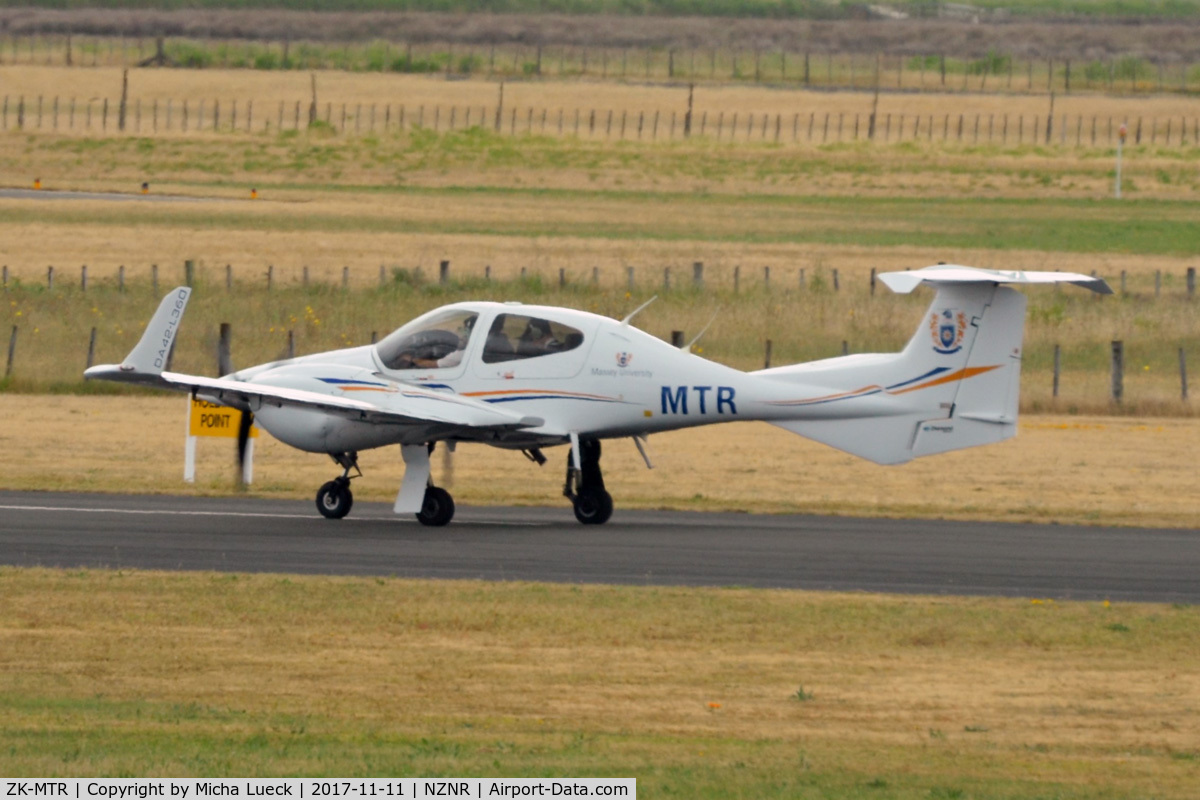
x=585, y=486
x=334, y=498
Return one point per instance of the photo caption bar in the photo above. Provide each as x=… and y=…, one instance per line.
x=306, y=788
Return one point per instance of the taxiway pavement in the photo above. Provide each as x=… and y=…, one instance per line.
x=635, y=547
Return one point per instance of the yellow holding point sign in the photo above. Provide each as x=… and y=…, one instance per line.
x=210, y=419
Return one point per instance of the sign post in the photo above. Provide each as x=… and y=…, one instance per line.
x=209, y=420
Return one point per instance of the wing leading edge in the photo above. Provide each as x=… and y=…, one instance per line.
x=404, y=405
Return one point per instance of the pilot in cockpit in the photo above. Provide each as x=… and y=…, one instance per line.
x=408, y=360
x=537, y=339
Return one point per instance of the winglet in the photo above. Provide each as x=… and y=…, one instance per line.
x=149, y=356
x=905, y=282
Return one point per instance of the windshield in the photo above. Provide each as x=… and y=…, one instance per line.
x=438, y=341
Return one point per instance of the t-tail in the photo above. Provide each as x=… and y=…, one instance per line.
x=955, y=385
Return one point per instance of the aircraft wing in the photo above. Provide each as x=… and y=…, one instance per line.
x=398, y=405
x=405, y=406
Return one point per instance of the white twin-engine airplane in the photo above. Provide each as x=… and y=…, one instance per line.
x=527, y=377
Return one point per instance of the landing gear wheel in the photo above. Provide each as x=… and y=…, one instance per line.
x=437, y=509
x=593, y=506
x=334, y=499
x=585, y=486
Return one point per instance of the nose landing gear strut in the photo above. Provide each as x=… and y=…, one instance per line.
x=585, y=486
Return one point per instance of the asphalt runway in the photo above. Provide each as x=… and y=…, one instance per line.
x=635, y=547
x=54, y=194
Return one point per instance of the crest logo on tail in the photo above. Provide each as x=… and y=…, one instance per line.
x=947, y=329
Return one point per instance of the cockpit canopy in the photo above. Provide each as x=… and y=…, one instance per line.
x=442, y=338
x=515, y=336
x=436, y=340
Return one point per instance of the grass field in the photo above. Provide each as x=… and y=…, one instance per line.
x=1085, y=470
x=698, y=693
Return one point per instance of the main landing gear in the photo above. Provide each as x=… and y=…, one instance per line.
x=437, y=509
x=433, y=505
x=334, y=498
x=585, y=486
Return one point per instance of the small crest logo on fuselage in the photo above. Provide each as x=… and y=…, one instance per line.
x=623, y=359
x=947, y=329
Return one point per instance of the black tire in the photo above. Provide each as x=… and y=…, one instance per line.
x=334, y=499
x=593, y=506
x=437, y=509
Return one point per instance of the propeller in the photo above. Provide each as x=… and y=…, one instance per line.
x=244, y=425
x=225, y=368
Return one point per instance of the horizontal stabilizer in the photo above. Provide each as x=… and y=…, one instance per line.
x=905, y=282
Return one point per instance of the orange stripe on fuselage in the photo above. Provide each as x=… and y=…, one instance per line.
x=499, y=392
x=962, y=374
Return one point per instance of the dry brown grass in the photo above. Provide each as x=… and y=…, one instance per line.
x=1116, y=471
x=267, y=89
x=676, y=686
x=27, y=248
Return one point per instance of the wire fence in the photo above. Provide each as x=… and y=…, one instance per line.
x=813, y=67
x=152, y=117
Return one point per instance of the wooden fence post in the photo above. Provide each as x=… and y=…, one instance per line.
x=698, y=275
x=444, y=273
x=1057, y=368
x=154, y=278
x=49, y=278
x=12, y=350
x=270, y=276
x=677, y=338
x=1191, y=282
x=767, y=356
x=83, y=278
x=228, y=277
x=666, y=279
x=1182, y=375
x=872, y=281
x=189, y=272
x=629, y=277
x=224, y=351
x=1118, y=371
x=835, y=279
x=345, y=278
